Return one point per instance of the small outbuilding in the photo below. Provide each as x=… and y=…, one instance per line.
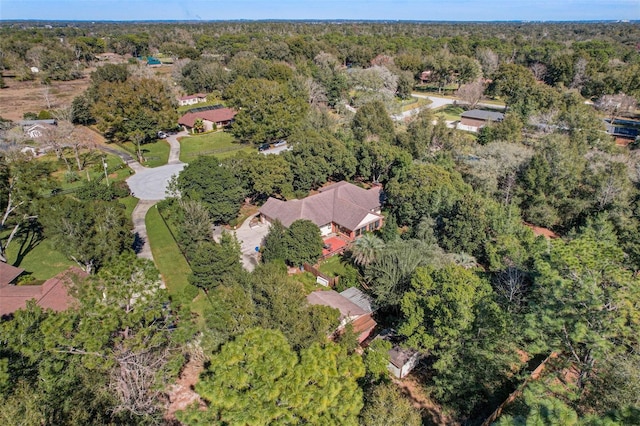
x=401, y=360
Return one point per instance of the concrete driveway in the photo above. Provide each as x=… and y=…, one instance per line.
x=251, y=237
x=151, y=184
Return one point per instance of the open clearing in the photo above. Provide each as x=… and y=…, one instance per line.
x=29, y=96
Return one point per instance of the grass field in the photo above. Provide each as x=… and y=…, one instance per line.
x=415, y=103
x=450, y=112
x=333, y=267
x=220, y=144
x=156, y=153
x=170, y=261
x=129, y=204
x=41, y=259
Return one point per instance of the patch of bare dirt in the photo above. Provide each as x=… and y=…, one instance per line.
x=420, y=400
x=182, y=393
x=32, y=96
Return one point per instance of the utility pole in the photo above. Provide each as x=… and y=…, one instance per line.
x=106, y=176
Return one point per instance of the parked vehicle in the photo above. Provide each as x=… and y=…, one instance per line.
x=281, y=142
x=264, y=147
x=162, y=135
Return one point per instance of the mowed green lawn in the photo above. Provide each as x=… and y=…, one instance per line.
x=220, y=144
x=40, y=259
x=170, y=261
x=156, y=153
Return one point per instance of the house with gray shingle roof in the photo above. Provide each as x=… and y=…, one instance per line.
x=476, y=119
x=340, y=208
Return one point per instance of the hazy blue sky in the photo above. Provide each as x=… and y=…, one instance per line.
x=451, y=10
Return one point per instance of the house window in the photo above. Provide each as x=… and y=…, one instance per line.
x=358, y=232
x=376, y=225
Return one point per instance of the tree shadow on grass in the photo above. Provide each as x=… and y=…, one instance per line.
x=29, y=235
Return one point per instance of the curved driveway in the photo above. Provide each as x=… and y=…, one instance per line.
x=151, y=184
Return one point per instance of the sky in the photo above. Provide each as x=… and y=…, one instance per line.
x=423, y=10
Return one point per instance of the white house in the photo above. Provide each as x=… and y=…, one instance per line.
x=192, y=99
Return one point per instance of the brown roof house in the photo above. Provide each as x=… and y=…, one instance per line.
x=474, y=120
x=354, y=306
x=52, y=294
x=211, y=119
x=192, y=99
x=340, y=208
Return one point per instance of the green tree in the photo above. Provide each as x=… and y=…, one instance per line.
x=91, y=233
x=104, y=361
x=516, y=84
x=425, y=190
x=366, y=249
x=268, y=110
x=385, y=405
x=214, y=263
x=22, y=183
x=280, y=303
x=259, y=379
x=439, y=308
x=135, y=106
x=215, y=186
x=372, y=123
x=276, y=243
x=305, y=242
x=583, y=300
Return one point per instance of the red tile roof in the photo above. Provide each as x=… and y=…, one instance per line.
x=220, y=115
x=52, y=294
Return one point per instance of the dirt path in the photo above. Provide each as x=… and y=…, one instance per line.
x=430, y=409
x=181, y=394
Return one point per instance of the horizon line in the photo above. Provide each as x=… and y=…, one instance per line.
x=327, y=20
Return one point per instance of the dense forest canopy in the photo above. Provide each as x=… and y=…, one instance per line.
x=502, y=250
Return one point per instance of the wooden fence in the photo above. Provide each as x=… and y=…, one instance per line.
x=320, y=277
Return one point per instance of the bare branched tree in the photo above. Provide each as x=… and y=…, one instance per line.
x=580, y=74
x=489, y=61
x=539, y=70
x=471, y=93
x=511, y=285
x=134, y=380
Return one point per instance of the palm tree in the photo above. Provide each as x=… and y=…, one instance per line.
x=198, y=126
x=366, y=249
x=465, y=260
